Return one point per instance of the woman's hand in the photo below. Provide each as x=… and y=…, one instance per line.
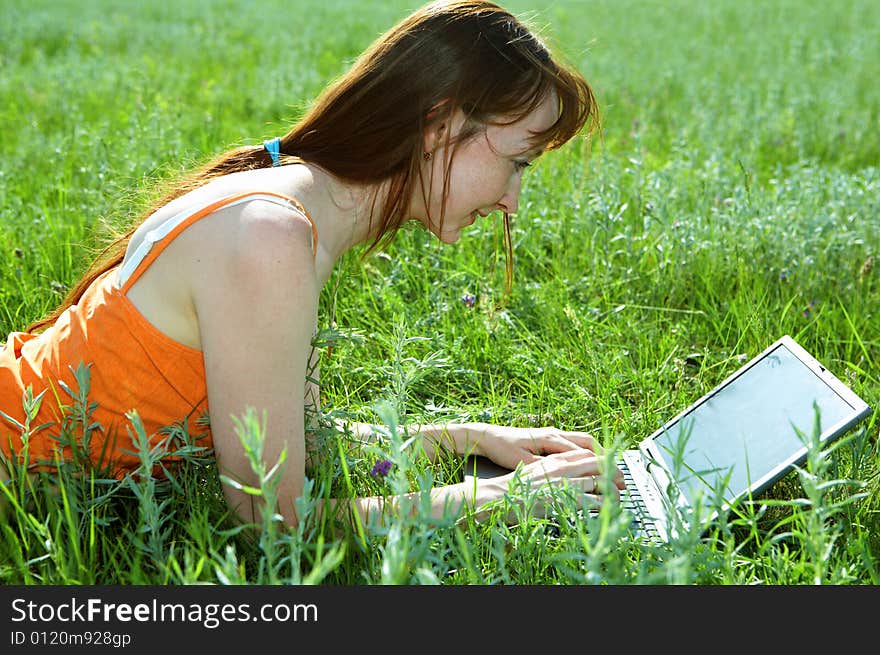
x=508, y=446
x=582, y=469
x=548, y=454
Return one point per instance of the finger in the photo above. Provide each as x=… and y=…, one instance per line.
x=570, y=464
x=591, y=485
x=593, y=463
x=553, y=440
x=589, y=482
x=618, y=478
x=579, y=456
x=577, y=440
x=600, y=487
x=583, y=440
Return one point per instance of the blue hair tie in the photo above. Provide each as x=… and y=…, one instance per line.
x=273, y=147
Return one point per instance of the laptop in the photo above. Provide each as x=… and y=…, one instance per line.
x=734, y=442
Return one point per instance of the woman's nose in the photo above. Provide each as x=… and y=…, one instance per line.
x=510, y=200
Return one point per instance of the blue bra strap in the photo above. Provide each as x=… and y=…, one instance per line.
x=273, y=147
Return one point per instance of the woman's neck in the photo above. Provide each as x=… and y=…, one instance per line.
x=345, y=213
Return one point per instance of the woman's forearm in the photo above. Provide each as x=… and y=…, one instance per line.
x=447, y=501
x=461, y=438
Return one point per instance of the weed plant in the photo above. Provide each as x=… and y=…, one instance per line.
x=730, y=197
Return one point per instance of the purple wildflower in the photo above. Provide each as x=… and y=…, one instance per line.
x=469, y=299
x=381, y=468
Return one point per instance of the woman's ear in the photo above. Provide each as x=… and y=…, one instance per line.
x=435, y=133
x=436, y=124
x=437, y=110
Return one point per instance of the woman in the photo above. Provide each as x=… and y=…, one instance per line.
x=220, y=282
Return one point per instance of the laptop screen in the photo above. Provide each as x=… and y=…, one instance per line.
x=746, y=428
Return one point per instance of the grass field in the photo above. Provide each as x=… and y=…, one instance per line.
x=732, y=196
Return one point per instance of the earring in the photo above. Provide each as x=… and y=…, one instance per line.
x=427, y=156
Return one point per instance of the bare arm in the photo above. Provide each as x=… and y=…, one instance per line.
x=449, y=500
x=505, y=445
x=580, y=469
x=550, y=457
x=256, y=297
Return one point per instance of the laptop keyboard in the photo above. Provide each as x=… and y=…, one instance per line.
x=631, y=502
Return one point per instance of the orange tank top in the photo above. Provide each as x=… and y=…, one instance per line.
x=132, y=365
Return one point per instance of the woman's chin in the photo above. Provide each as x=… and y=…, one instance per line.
x=447, y=235
x=450, y=237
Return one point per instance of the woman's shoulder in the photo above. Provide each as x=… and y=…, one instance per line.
x=248, y=230
x=249, y=201
x=217, y=245
x=237, y=189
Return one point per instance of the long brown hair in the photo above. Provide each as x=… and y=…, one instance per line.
x=367, y=126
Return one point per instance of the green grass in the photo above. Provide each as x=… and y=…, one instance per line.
x=732, y=197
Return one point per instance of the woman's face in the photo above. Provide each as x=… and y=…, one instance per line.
x=485, y=174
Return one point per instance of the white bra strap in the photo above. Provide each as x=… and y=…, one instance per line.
x=130, y=265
